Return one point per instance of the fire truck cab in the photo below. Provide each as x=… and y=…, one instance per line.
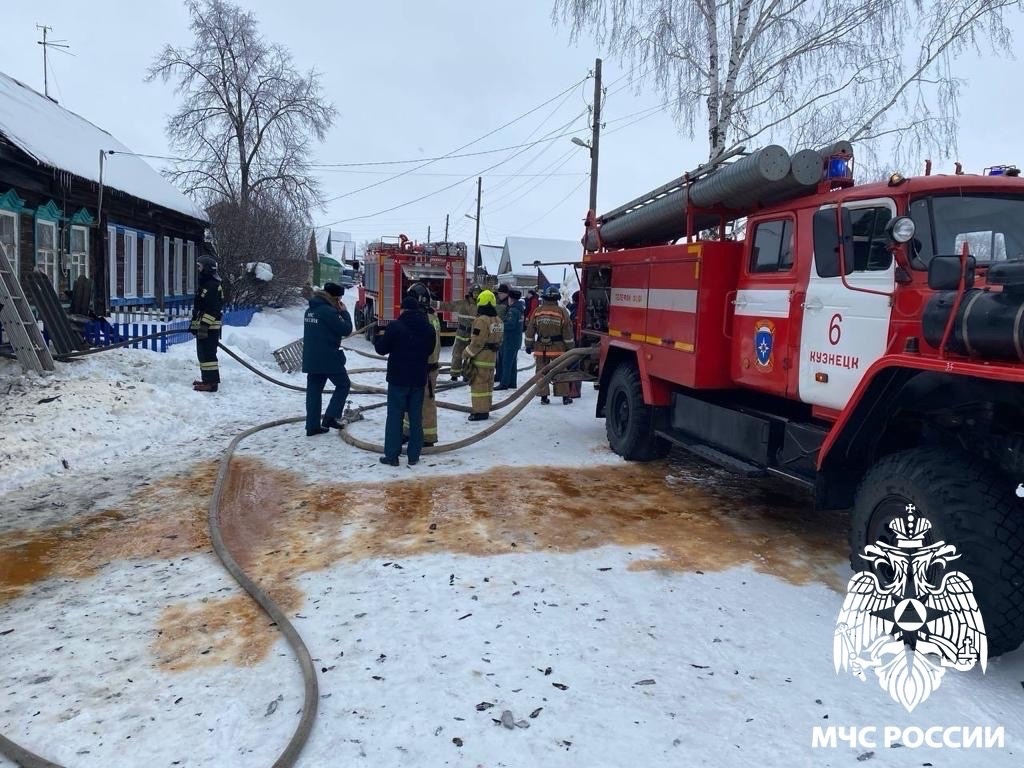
x=392, y=265
x=864, y=342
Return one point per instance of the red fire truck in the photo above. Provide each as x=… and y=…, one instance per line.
x=393, y=264
x=863, y=341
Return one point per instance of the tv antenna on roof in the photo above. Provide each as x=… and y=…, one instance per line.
x=47, y=44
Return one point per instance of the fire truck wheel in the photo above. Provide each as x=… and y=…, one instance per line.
x=971, y=506
x=629, y=422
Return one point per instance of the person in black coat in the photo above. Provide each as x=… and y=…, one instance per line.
x=408, y=342
x=207, y=321
x=325, y=324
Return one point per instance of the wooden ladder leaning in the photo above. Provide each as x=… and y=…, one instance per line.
x=19, y=322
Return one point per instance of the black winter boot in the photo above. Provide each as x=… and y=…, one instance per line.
x=544, y=400
x=566, y=400
x=317, y=431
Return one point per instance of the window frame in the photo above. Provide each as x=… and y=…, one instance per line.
x=148, y=266
x=46, y=258
x=131, y=265
x=190, y=267
x=179, y=266
x=14, y=257
x=834, y=211
x=788, y=226
x=167, y=267
x=78, y=261
x=112, y=261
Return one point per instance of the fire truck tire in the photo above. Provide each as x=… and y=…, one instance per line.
x=970, y=506
x=629, y=421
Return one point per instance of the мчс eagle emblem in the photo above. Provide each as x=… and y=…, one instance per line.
x=909, y=628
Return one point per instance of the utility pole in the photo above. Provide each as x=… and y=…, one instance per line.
x=428, y=235
x=476, y=246
x=446, y=227
x=46, y=46
x=597, y=136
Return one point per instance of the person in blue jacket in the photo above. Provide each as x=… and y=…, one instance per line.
x=325, y=324
x=408, y=342
x=512, y=340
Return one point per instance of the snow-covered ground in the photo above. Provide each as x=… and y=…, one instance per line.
x=663, y=614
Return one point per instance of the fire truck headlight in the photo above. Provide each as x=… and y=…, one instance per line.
x=901, y=229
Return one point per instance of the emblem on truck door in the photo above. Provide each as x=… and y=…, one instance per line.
x=764, y=341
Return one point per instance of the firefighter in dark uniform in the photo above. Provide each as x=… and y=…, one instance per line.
x=422, y=294
x=465, y=312
x=548, y=336
x=478, y=359
x=206, y=323
x=324, y=326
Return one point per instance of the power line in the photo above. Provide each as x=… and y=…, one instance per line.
x=446, y=188
x=505, y=201
x=464, y=146
x=553, y=208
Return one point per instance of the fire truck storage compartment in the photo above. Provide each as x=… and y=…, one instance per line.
x=738, y=434
x=676, y=299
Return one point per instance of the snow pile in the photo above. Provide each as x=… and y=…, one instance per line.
x=59, y=138
x=260, y=270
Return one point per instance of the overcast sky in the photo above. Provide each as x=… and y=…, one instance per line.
x=420, y=79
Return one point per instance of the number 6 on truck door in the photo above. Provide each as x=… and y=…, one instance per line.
x=846, y=327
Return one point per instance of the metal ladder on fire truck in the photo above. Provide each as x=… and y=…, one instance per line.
x=19, y=322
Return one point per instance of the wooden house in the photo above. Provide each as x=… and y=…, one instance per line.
x=75, y=201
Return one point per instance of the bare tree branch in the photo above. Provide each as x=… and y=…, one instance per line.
x=878, y=71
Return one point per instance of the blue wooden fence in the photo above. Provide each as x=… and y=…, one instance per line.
x=100, y=334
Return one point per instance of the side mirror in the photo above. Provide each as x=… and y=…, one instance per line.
x=944, y=273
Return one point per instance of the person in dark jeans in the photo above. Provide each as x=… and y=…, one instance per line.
x=408, y=342
x=325, y=324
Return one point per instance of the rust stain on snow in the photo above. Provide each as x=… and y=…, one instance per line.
x=279, y=527
x=160, y=520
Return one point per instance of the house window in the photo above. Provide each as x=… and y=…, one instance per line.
x=112, y=261
x=47, y=253
x=167, y=266
x=78, y=253
x=9, y=236
x=179, y=265
x=191, y=267
x=148, y=266
x=131, y=265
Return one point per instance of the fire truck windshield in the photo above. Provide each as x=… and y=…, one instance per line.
x=991, y=225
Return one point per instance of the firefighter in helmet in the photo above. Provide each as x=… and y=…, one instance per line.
x=465, y=312
x=206, y=323
x=481, y=353
x=548, y=336
x=422, y=295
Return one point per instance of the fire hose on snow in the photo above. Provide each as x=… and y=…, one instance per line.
x=288, y=757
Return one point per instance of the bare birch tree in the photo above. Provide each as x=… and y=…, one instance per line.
x=877, y=72
x=248, y=115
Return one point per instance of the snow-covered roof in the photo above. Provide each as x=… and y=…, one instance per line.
x=339, y=242
x=525, y=250
x=58, y=138
x=490, y=258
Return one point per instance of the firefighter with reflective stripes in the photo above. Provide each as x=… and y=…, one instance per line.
x=465, y=313
x=422, y=295
x=548, y=336
x=479, y=358
x=206, y=323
